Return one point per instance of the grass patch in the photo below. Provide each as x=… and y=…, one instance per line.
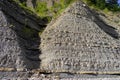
x=58, y=8
x=43, y=11
x=28, y=32
x=102, y=5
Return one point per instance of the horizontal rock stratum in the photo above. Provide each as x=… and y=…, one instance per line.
x=79, y=41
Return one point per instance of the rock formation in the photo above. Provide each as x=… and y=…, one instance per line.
x=79, y=41
x=19, y=40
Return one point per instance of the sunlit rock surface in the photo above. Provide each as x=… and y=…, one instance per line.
x=79, y=41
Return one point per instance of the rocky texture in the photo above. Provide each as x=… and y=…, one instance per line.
x=31, y=3
x=79, y=41
x=19, y=38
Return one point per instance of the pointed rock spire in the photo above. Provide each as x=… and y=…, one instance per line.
x=79, y=41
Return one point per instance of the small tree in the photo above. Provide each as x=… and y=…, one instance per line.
x=112, y=1
x=102, y=4
x=112, y=5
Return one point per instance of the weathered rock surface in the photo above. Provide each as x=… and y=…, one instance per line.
x=79, y=41
x=19, y=39
x=31, y=3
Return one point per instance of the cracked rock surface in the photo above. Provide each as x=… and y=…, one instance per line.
x=79, y=41
x=78, y=45
x=19, y=40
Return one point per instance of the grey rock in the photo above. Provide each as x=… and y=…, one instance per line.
x=50, y=3
x=79, y=41
x=31, y=3
x=19, y=40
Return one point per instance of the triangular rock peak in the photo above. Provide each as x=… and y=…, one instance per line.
x=79, y=41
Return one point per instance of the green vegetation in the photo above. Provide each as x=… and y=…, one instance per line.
x=23, y=5
x=58, y=8
x=47, y=13
x=42, y=10
x=55, y=10
x=41, y=30
x=28, y=32
x=52, y=12
x=105, y=5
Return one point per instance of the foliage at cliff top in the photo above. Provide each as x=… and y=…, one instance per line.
x=47, y=13
x=53, y=11
x=42, y=10
x=109, y=5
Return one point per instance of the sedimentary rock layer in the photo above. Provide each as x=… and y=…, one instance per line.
x=19, y=38
x=79, y=41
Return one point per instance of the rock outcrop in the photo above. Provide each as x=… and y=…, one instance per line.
x=19, y=40
x=31, y=3
x=79, y=41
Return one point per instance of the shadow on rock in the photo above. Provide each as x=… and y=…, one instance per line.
x=24, y=28
x=110, y=30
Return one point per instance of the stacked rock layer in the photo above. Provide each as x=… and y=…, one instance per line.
x=79, y=41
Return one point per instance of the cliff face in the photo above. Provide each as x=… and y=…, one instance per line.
x=79, y=41
x=19, y=39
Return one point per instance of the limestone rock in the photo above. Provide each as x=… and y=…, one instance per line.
x=19, y=39
x=31, y=3
x=79, y=41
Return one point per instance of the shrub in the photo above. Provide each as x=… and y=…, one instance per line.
x=111, y=5
x=41, y=9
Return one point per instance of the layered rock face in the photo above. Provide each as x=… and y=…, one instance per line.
x=19, y=38
x=79, y=41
